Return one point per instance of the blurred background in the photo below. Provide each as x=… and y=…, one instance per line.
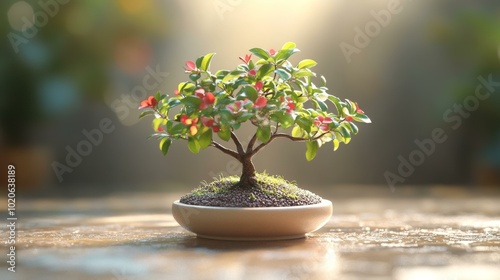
x=73, y=72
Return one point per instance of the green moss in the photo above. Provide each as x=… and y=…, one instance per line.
x=268, y=191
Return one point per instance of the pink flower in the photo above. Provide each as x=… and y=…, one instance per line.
x=191, y=67
x=207, y=98
x=258, y=86
x=252, y=72
x=235, y=107
x=193, y=129
x=200, y=92
x=290, y=105
x=323, y=122
x=176, y=92
x=150, y=102
x=246, y=59
x=358, y=110
x=187, y=121
x=349, y=118
x=260, y=102
x=272, y=52
x=208, y=122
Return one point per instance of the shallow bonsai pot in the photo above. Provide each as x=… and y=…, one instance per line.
x=259, y=223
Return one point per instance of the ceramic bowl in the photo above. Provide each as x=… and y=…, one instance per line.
x=261, y=223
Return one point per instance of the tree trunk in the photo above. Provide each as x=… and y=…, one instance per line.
x=247, y=179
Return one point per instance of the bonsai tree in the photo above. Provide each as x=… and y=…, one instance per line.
x=278, y=98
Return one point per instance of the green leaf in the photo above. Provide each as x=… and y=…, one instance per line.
x=249, y=92
x=285, y=54
x=191, y=101
x=158, y=96
x=339, y=136
x=354, y=129
x=177, y=129
x=221, y=74
x=158, y=135
x=157, y=122
x=351, y=106
x=261, y=61
x=283, y=74
x=260, y=53
x=361, y=118
x=289, y=45
x=194, y=77
x=323, y=81
x=173, y=102
x=264, y=70
x=164, y=145
x=245, y=117
x=311, y=150
x=264, y=133
x=297, y=132
x=146, y=113
x=164, y=109
x=346, y=134
x=303, y=73
x=337, y=103
x=286, y=120
x=336, y=144
x=207, y=83
x=320, y=105
x=226, y=116
x=203, y=63
x=169, y=125
x=206, y=138
x=193, y=145
x=306, y=63
x=232, y=75
x=304, y=123
x=224, y=133
x=186, y=87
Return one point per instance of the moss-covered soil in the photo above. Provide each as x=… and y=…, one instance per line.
x=270, y=191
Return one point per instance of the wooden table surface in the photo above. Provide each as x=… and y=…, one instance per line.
x=414, y=233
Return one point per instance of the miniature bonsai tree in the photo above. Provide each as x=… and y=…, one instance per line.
x=278, y=98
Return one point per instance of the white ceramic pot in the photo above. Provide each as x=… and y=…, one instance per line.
x=260, y=223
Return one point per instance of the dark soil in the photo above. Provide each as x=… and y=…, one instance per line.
x=269, y=192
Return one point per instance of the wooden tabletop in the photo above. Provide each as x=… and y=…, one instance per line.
x=413, y=233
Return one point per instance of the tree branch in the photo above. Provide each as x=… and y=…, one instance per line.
x=251, y=143
x=289, y=137
x=239, y=147
x=274, y=136
x=226, y=150
x=277, y=127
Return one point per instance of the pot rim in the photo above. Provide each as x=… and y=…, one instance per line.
x=323, y=203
